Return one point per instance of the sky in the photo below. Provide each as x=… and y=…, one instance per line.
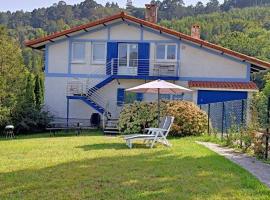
x=29, y=5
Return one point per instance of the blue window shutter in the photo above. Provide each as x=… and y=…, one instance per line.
x=139, y=96
x=143, y=64
x=112, y=53
x=120, y=96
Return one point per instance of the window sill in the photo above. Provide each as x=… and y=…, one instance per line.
x=98, y=63
x=78, y=62
x=166, y=60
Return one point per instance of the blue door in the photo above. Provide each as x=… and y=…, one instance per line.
x=209, y=96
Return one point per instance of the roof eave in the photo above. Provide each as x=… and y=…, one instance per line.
x=225, y=89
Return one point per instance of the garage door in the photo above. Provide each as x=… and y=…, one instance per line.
x=209, y=96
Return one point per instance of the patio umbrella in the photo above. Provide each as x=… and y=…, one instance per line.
x=159, y=87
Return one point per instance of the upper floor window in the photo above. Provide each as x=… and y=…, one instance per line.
x=128, y=54
x=166, y=51
x=78, y=52
x=98, y=53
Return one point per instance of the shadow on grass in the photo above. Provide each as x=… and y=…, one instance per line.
x=70, y=133
x=156, y=174
x=116, y=146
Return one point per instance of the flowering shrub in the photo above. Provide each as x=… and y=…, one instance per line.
x=189, y=119
x=136, y=116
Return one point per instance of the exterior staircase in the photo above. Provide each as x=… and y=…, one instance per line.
x=96, y=100
x=111, y=127
x=89, y=102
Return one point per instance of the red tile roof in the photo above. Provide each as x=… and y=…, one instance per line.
x=223, y=85
x=122, y=15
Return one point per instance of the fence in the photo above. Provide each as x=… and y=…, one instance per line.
x=225, y=116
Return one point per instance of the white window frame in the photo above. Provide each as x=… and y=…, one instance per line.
x=92, y=53
x=166, y=50
x=128, y=56
x=72, y=53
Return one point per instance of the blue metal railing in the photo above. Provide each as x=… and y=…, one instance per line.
x=143, y=67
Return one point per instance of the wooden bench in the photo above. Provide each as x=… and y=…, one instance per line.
x=59, y=126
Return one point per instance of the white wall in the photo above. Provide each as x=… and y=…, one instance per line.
x=196, y=62
x=97, y=35
x=58, y=57
x=125, y=32
x=56, y=101
x=149, y=35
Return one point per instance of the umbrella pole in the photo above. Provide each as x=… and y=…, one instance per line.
x=158, y=105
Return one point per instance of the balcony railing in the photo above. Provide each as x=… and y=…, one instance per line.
x=144, y=67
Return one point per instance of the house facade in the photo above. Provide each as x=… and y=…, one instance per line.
x=88, y=68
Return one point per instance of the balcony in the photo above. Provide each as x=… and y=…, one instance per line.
x=142, y=67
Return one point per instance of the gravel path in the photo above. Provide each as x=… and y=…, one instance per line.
x=257, y=168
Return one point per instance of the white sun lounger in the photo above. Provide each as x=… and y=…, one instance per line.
x=153, y=135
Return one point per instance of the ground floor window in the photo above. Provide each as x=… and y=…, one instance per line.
x=127, y=97
x=172, y=96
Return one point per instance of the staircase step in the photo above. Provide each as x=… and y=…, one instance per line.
x=111, y=131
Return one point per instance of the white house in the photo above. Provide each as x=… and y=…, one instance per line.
x=88, y=67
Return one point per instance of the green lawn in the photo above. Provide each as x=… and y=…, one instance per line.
x=92, y=166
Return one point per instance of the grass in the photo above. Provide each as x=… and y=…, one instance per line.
x=92, y=166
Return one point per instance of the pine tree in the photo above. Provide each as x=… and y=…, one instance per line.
x=30, y=99
x=41, y=83
x=38, y=93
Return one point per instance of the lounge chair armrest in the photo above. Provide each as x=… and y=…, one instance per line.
x=156, y=129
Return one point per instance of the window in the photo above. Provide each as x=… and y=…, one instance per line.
x=171, y=51
x=160, y=54
x=98, y=53
x=131, y=97
x=128, y=55
x=171, y=96
x=120, y=96
x=122, y=54
x=166, y=52
x=78, y=52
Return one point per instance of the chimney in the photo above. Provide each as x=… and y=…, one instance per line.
x=151, y=12
x=196, y=31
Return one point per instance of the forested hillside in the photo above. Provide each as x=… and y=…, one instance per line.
x=243, y=30
x=241, y=25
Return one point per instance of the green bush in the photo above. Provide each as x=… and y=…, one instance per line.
x=189, y=119
x=138, y=115
x=31, y=119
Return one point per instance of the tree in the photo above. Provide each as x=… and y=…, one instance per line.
x=38, y=92
x=30, y=98
x=12, y=76
x=212, y=6
x=199, y=8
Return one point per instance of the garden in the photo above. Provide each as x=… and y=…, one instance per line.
x=94, y=166
x=91, y=166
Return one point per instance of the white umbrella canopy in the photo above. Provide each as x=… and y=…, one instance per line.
x=159, y=87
